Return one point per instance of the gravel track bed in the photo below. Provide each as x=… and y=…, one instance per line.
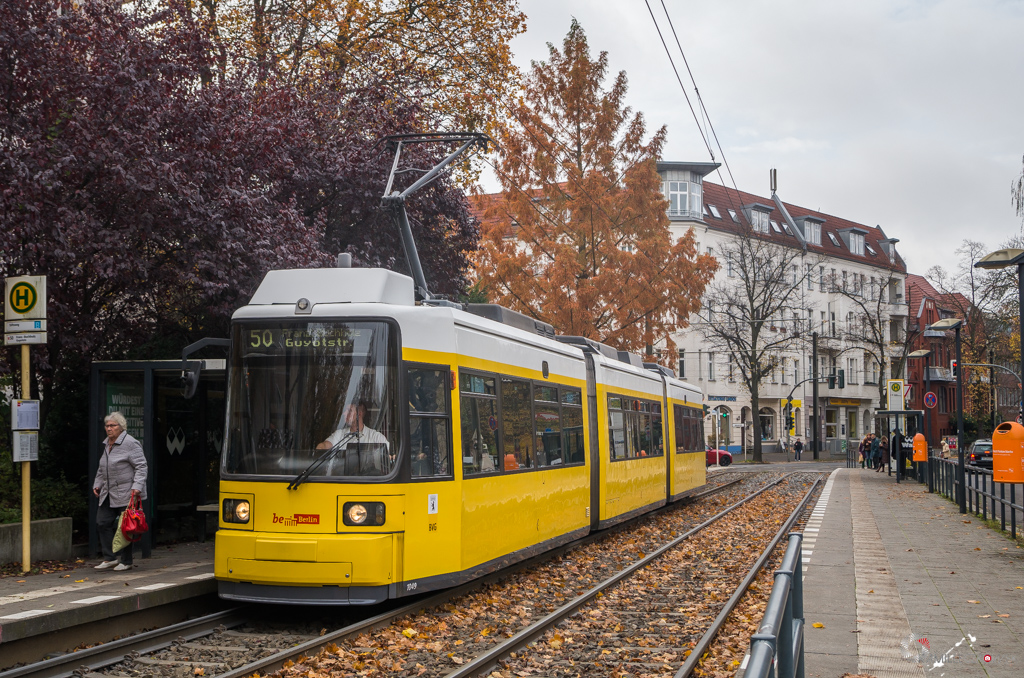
x=647, y=625
x=436, y=641
x=732, y=643
x=223, y=650
x=440, y=639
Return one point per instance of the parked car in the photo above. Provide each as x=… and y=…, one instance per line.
x=980, y=453
x=719, y=457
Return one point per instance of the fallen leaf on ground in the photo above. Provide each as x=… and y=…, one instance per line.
x=818, y=625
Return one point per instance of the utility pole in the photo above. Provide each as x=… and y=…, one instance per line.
x=814, y=398
x=992, y=390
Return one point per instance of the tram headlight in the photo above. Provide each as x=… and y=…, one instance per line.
x=357, y=513
x=236, y=511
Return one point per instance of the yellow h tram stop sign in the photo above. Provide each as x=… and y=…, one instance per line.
x=25, y=324
x=25, y=310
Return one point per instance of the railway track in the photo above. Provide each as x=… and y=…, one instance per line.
x=229, y=645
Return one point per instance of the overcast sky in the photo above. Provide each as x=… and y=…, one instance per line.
x=906, y=115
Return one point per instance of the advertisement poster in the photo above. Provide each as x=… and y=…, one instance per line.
x=126, y=397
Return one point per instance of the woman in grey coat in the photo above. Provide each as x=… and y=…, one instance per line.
x=120, y=476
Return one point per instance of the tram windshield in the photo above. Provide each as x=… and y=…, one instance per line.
x=315, y=397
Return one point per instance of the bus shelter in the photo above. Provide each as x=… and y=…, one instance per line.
x=901, y=426
x=181, y=438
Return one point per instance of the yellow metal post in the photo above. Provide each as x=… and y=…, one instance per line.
x=26, y=473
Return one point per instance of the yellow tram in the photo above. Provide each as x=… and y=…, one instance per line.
x=378, y=447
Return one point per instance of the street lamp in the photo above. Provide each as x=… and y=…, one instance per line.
x=1005, y=259
x=924, y=353
x=956, y=324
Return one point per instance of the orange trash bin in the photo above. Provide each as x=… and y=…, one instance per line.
x=1008, y=453
x=920, y=447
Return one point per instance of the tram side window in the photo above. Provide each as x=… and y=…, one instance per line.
x=572, y=426
x=429, y=437
x=634, y=428
x=681, y=428
x=616, y=429
x=479, y=410
x=548, y=423
x=516, y=424
x=657, y=432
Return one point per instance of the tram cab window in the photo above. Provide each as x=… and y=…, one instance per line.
x=516, y=434
x=478, y=404
x=429, y=438
x=297, y=386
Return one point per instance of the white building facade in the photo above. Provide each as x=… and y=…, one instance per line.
x=841, y=267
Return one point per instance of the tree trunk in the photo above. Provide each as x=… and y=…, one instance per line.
x=755, y=414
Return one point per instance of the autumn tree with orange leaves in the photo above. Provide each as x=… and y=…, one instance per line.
x=453, y=57
x=580, y=237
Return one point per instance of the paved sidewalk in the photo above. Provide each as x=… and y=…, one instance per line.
x=36, y=604
x=903, y=585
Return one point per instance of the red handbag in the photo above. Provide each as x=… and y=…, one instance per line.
x=133, y=520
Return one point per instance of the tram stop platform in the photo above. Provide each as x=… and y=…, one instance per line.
x=898, y=583
x=41, y=611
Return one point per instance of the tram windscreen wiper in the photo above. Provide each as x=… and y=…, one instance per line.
x=319, y=461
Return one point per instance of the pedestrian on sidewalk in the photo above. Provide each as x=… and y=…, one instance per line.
x=883, y=449
x=798, y=447
x=864, y=451
x=876, y=453
x=120, y=477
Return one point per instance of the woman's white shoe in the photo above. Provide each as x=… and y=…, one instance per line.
x=107, y=564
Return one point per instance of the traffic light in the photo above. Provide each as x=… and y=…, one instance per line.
x=724, y=413
x=842, y=379
x=707, y=409
x=952, y=367
x=789, y=422
x=831, y=381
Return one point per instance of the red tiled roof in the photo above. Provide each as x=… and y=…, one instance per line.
x=919, y=288
x=728, y=198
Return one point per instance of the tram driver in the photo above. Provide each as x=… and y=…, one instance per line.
x=366, y=451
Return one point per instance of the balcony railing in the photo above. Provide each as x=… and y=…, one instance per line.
x=685, y=214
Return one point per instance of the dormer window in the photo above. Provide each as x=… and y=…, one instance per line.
x=735, y=217
x=714, y=211
x=870, y=249
x=834, y=239
x=759, y=217
x=812, y=232
x=811, y=229
x=684, y=199
x=857, y=243
x=854, y=239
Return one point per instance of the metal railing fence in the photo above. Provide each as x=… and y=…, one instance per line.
x=779, y=641
x=984, y=498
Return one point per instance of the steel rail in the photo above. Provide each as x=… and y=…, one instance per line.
x=277, y=661
x=489, y=659
x=100, y=656
x=705, y=641
x=106, y=654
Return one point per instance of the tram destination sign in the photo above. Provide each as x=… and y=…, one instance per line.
x=277, y=340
